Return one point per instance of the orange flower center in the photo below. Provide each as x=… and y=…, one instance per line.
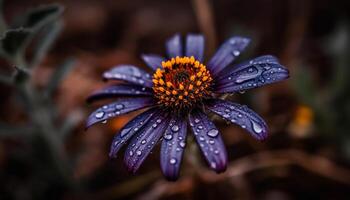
x=181, y=82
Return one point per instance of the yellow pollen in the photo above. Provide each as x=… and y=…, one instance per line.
x=181, y=82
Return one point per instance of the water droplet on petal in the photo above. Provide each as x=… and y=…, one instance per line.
x=175, y=128
x=172, y=161
x=99, y=115
x=213, y=165
x=138, y=152
x=124, y=132
x=182, y=144
x=196, y=120
x=119, y=106
x=213, y=133
x=256, y=127
x=159, y=120
x=131, y=153
x=235, y=53
x=143, y=142
x=168, y=137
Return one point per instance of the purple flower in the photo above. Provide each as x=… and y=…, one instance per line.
x=180, y=92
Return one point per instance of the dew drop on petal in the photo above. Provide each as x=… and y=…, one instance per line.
x=256, y=127
x=213, y=133
x=182, y=144
x=235, y=53
x=175, y=128
x=213, y=165
x=138, y=152
x=99, y=115
x=168, y=137
x=172, y=161
x=119, y=106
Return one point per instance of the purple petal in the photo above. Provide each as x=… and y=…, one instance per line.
x=255, y=73
x=173, y=145
x=153, y=61
x=129, y=130
x=240, y=115
x=227, y=53
x=117, y=108
x=143, y=143
x=209, y=141
x=119, y=91
x=195, y=46
x=129, y=74
x=174, y=46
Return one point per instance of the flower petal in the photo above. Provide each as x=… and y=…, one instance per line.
x=240, y=115
x=143, y=143
x=255, y=73
x=209, y=140
x=129, y=130
x=153, y=61
x=227, y=53
x=119, y=107
x=174, y=46
x=119, y=91
x=129, y=74
x=173, y=145
x=195, y=46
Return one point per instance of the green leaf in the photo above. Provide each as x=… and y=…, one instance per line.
x=14, y=41
x=39, y=17
x=57, y=76
x=47, y=37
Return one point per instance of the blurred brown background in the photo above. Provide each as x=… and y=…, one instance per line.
x=307, y=155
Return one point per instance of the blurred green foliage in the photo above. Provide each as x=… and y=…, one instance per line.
x=330, y=101
x=35, y=31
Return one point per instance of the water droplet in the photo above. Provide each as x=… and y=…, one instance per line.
x=175, y=128
x=99, y=115
x=138, y=152
x=211, y=142
x=213, y=133
x=131, y=153
x=154, y=125
x=240, y=116
x=119, y=106
x=201, y=138
x=216, y=151
x=236, y=53
x=256, y=127
x=172, y=161
x=124, y=132
x=105, y=107
x=143, y=142
x=182, y=144
x=104, y=122
x=168, y=137
x=159, y=120
x=200, y=127
x=196, y=120
x=213, y=165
